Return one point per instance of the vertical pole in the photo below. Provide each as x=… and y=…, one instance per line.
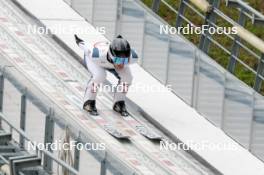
x=235, y=46
x=77, y=156
x=260, y=71
x=222, y=124
x=195, y=80
x=23, y=117
x=2, y=81
x=1, y=91
x=141, y=63
x=251, y=134
x=49, y=135
x=179, y=19
x=168, y=61
x=103, y=166
x=209, y=18
x=118, y=21
x=155, y=5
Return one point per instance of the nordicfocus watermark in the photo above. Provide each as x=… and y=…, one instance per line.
x=189, y=30
x=61, y=29
x=135, y=87
x=191, y=145
x=58, y=145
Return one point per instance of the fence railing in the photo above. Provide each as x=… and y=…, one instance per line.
x=106, y=159
x=255, y=16
x=210, y=12
x=47, y=157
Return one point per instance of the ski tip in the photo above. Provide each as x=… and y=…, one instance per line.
x=155, y=139
x=122, y=138
x=115, y=133
x=151, y=137
x=126, y=138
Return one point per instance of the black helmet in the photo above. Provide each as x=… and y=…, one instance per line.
x=119, y=47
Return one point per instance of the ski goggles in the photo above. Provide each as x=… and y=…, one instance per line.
x=120, y=60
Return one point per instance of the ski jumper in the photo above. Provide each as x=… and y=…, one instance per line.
x=95, y=60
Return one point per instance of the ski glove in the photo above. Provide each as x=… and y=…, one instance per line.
x=77, y=39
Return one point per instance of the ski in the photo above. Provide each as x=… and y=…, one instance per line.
x=134, y=123
x=143, y=130
x=108, y=127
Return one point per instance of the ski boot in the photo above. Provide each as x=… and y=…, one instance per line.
x=120, y=107
x=90, y=107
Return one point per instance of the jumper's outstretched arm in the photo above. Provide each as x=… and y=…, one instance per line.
x=82, y=45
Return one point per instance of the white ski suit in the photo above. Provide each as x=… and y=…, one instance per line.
x=95, y=59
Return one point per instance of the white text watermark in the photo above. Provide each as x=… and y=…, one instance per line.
x=137, y=87
x=189, y=30
x=60, y=29
x=58, y=145
x=191, y=145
